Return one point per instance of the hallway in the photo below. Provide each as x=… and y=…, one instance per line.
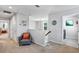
x=10, y=46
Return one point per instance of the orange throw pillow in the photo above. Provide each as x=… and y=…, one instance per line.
x=26, y=36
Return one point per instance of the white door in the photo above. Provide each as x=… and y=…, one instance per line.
x=70, y=31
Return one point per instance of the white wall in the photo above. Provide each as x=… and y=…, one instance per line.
x=39, y=25
x=39, y=37
x=13, y=28
x=20, y=28
x=31, y=25
x=56, y=35
x=16, y=25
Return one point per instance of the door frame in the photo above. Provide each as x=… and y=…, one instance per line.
x=63, y=28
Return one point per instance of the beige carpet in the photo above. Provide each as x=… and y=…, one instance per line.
x=10, y=46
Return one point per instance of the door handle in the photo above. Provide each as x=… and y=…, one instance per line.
x=64, y=34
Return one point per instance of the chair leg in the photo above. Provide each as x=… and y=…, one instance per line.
x=20, y=44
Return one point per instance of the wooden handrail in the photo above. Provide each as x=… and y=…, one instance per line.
x=47, y=33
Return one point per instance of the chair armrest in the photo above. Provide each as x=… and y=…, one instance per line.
x=19, y=38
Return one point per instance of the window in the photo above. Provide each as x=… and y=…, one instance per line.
x=45, y=26
x=69, y=23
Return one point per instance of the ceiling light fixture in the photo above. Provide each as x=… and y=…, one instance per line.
x=37, y=5
x=10, y=7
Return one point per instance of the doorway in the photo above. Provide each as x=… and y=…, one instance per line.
x=4, y=29
x=70, y=30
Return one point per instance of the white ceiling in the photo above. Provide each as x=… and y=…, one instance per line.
x=34, y=11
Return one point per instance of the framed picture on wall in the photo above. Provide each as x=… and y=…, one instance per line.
x=23, y=22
